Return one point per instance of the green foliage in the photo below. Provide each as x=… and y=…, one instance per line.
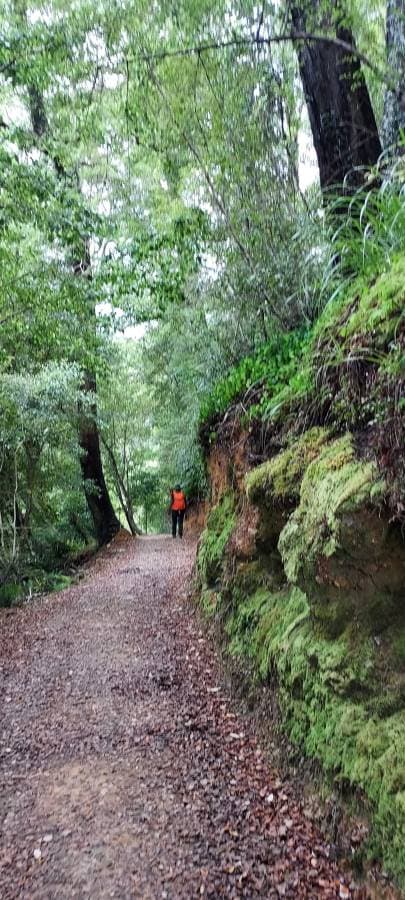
x=266, y=371
x=367, y=233
x=43, y=515
x=162, y=192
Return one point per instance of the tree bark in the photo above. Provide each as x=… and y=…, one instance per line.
x=105, y=521
x=342, y=120
x=394, y=101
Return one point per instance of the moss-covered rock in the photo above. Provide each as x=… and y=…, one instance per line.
x=279, y=479
x=274, y=486
x=340, y=689
x=339, y=546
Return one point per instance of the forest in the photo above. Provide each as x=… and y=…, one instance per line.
x=163, y=226
x=202, y=234
x=166, y=243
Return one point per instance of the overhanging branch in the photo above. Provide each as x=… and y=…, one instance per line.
x=259, y=41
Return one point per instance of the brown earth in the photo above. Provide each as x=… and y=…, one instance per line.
x=125, y=771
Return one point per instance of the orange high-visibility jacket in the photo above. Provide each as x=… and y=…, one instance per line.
x=178, y=500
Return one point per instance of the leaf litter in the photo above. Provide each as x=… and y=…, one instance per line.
x=124, y=770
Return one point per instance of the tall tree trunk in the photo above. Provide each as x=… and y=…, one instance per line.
x=105, y=521
x=123, y=494
x=394, y=102
x=342, y=120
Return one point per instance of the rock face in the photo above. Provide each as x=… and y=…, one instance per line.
x=303, y=564
x=338, y=545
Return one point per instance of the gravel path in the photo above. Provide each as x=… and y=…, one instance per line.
x=124, y=771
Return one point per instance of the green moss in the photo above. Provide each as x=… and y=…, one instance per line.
x=280, y=477
x=339, y=702
x=380, y=307
x=339, y=480
x=248, y=578
x=372, y=310
x=264, y=618
x=220, y=524
x=327, y=531
x=328, y=691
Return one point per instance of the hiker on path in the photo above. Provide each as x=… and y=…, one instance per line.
x=178, y=506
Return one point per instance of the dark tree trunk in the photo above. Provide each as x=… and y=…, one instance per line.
x=394, y=102
x=342, y=120
x=106, y=523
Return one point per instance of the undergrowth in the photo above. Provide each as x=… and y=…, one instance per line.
x=264, y=372
x=365, y=240
x=347, y=373
x=365, y=235
x=35, y=581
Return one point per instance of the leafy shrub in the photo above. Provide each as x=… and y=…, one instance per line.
x=365, y=237
x=266, y=371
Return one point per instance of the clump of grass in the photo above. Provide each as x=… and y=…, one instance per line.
x=368, y=231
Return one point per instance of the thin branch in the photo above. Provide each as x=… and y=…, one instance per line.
x=127, y=125
x=123, y=495
x=210, y=83
x=14, y=551
x=257, y=40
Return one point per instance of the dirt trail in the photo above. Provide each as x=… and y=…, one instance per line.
x=124, y=771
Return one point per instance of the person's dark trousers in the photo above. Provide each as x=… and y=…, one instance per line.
x=177, y=521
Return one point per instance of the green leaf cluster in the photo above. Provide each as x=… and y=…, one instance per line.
x=261, y=375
